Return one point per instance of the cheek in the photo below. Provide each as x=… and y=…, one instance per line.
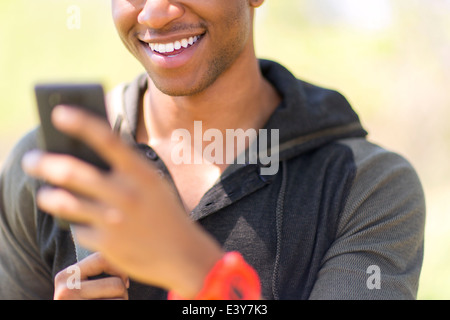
x=233, y=16
x=232, y=25
x=124, y=15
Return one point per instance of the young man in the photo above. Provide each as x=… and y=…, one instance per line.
x=339, y=218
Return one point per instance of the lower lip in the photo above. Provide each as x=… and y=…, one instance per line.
x=177, y=60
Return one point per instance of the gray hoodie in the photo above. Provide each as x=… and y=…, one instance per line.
x=341, y=218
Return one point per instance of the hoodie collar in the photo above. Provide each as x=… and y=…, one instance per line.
x=308, y=116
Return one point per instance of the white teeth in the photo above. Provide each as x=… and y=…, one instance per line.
x=161, y=48
x=171, y=47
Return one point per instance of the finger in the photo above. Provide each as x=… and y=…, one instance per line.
x=64, y=171
x=67, y=206
x=93, y=131
x=75, y=175
x=95, y=264
x=104, y=288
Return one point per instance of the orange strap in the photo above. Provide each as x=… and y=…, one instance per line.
x=231, y=278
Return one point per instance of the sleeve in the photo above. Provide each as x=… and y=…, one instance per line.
x=378, y=251
x=23, y=274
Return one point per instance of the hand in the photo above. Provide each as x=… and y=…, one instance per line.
x=73, y=283
x=130, y=214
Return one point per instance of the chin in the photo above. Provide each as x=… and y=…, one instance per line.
x=178, y=88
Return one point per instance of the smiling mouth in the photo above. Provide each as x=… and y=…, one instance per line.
x=176, y=47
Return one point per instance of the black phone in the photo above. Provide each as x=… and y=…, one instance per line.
x=87, y=96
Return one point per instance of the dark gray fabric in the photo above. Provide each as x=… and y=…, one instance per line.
x=381, y=225
x=336, y=206
x=32, y=247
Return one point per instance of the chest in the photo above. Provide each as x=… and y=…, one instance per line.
x=283, y=224
x=193, y=181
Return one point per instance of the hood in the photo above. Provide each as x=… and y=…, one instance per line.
x=309, y=116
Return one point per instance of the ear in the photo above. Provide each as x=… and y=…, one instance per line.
x=255, y=3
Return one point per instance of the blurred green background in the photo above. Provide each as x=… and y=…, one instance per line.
x=390, y=58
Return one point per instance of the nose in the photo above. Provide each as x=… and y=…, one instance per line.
x=158, y=13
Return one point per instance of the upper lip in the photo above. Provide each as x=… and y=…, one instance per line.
x=170, y=38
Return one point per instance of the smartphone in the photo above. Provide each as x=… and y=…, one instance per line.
x=86, y=96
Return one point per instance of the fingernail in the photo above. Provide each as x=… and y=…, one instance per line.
x=62, y=114
x=44, y=195
x=31, y=159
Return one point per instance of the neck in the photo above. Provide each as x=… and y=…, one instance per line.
x=239, y=98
